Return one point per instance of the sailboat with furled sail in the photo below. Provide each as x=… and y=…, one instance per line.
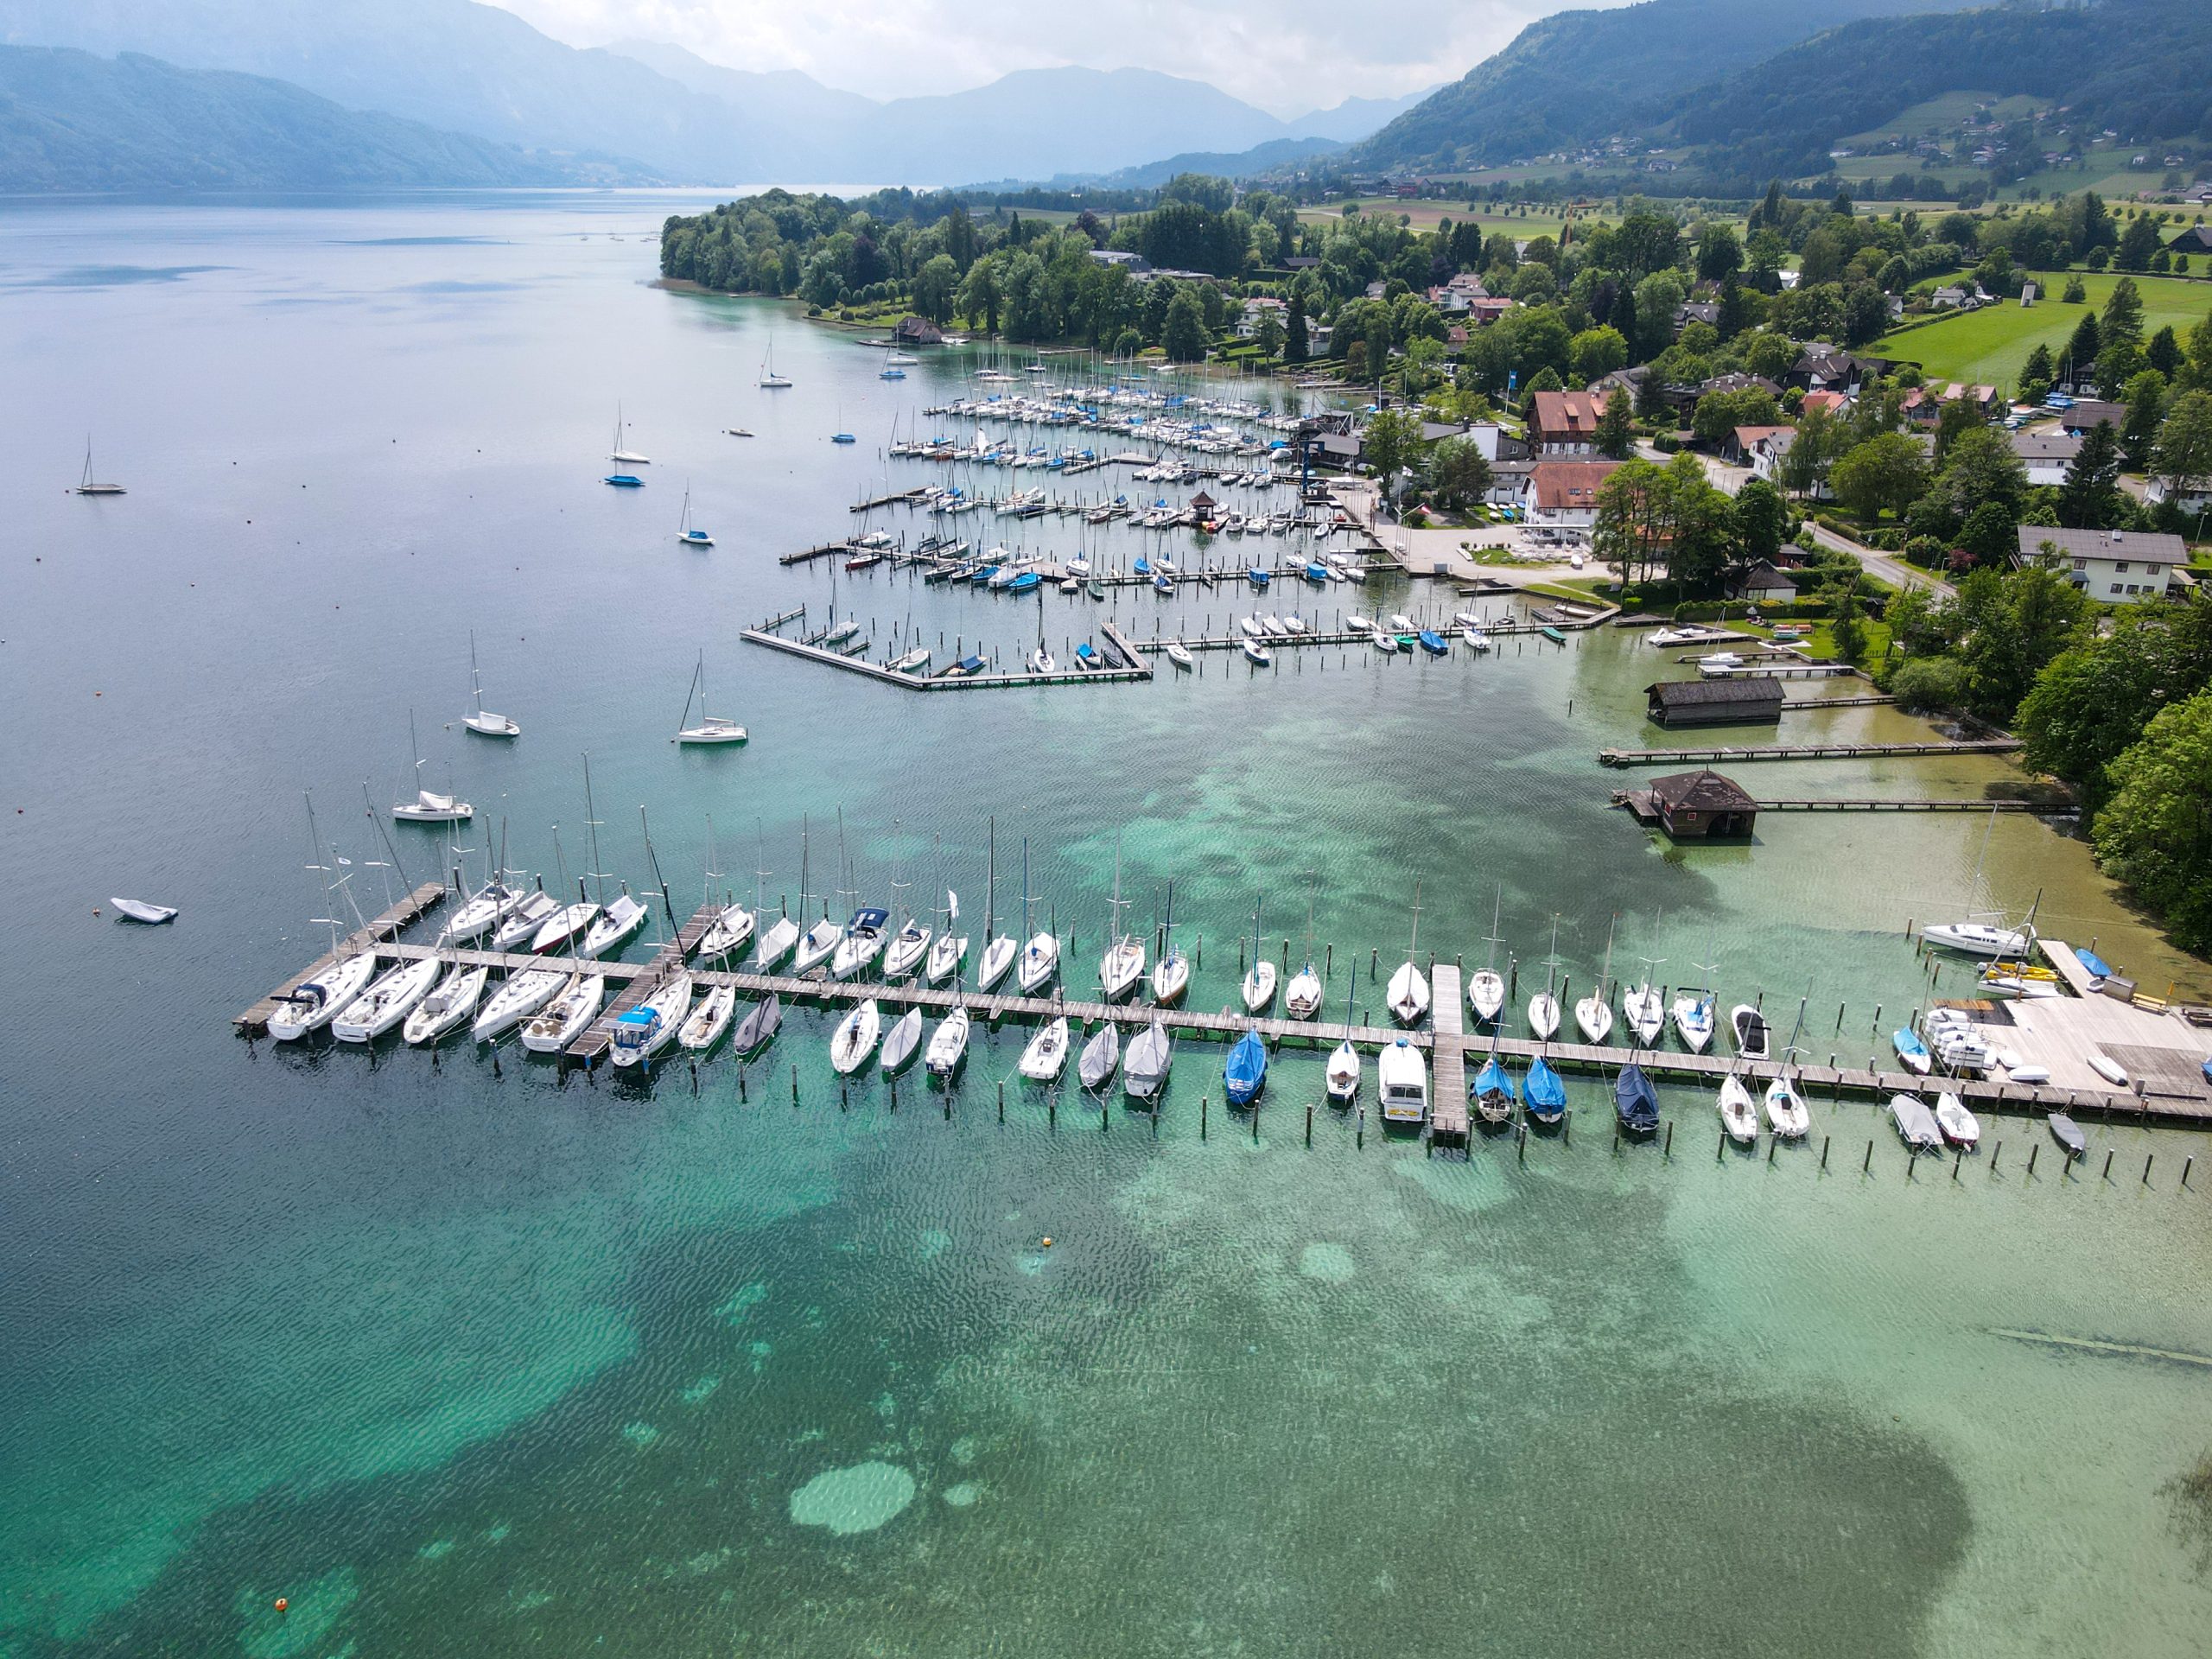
x=711, y=728
x=1407, y=992
x=780, y=934
x=483, y=722
x=770, y=380
x=1122, y=965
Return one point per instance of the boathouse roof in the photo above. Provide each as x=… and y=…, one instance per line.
x=1702, y=791
x=1730, y=688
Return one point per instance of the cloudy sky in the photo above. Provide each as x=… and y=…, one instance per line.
x=1284, y=55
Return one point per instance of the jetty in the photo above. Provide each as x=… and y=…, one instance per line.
x=666, y=964
x=1801, y=752
x=385, y=927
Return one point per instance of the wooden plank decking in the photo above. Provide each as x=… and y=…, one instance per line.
x=1447, y=1093
x=599, y=1036
x=1730, y=755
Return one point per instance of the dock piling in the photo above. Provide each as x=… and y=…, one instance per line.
x=1867, y=1166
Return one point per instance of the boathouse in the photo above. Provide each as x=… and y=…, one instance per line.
x=1729, y=700
x=914, y=330
x=1699, y=805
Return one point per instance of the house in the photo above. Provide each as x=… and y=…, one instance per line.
x=1745, y=442
x=1699, y=805
x=2047, y=454
x=1834, y=402
x=1136, y=263
x=1630, y=381
x=2191, y=498
x=1725, y=700
x=1483, y=312
x=2089, y=414
x=1319, y=336
x=1740, y=381
x=1488, y=437
x=1704, y=311
x=2113, y=566
x=1302, y=262
x=1562, y=495
x=2197, y=238
x=916, y=331
x=1823, y=368
x=2076, y=379
x=1923, y=405
x=1566, y=424
x=1763, y=582
x=1247, y=323
x=1510, y=483
x=1455, y=337
x=1765, y=457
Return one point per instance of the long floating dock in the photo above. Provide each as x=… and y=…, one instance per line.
x=939, y=681
x=387, y=926
x=1801, y=752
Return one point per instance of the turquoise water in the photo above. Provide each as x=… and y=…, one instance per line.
x=463, y=1362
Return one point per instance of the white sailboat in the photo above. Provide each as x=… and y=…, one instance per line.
x=652, y=1025
x=1343, y=1074
x=1594, y=1015
x=909, y=942
x=1543, y=1006
x=1486, y=987
x=627, y=457
x=711, y=728
x=565, y=1017
x=1046, y=1055
x=87, y=485
x=780, y=934
x=321, y=997
x=999, y=949
x=1693, y=1010
x=1039, y=958
x=386, y=1003
x=1145, y=1068
x=687, y=532
x=855, y=1037
x=1170, y=975
x=948, y=1043
x=950, y=950
x=1122, y=964
x=1643, y=1007
x=815, y=946
x=1738, y=1115
x=522, y=996
x=769, y=378
x=1408, y=991
x=704, y=1026
x=448, y=1006
x=1258, y=989
x=428, y=806
x=483, y=722
x=531, y=911
x=1301, y=998
x=1978, y=936
x=900, y=1042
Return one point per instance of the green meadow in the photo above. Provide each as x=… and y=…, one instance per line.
x=1990, y=345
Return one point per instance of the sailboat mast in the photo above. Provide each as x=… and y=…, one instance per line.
x=591, y=825
x=991, y=880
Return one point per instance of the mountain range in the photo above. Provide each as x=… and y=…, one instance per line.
x=655, y=111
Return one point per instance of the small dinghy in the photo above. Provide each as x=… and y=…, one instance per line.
x=1785, y=1111
x=759, y=1026
x=1543, y=1095
x=855, y=1038
x=1752, y=1038
x=901, y=1042
x=1144, y=1074
x=448, y=1006
x=1046, y=1055
x=1635, y=1102
x=1180, y=654
x=2067, y=1134
x=2109, y=1069
x=1245, y=1072
x=139, y=910
x=1960, y=1126
x=1738, y=1116
x=704, y=1028
x=1101, y=1055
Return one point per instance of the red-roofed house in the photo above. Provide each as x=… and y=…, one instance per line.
x=1566, y=424
x=1563, y=495
x=1834, y=402
x=1747, y=444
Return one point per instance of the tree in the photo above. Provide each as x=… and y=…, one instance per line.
x=1762, y=517
x=979, y=294
x=2090, y=703
x=1389, y=444
x=1184, y=335
x=2155, y=835
x=2076, y=293
x=1887, y=472
x=2146, y=397
x=2035, y=375
x=1459, y=477
x=2015, y=624
x=1634, y=520
x=2137, y=243
x=1719, y=255
x=1720, y=413
x=1616, y=426
x=935, y=285
x=2182, y=454
x=1957, y=414
x=1295, y=345
x=1812, y=453
x=1268, y=334
x=1703, y=525
x=1928, y=685
x=2123, y=317
x=2089, y=497
x=1980, y=466
x=1990, y=535
x=1595, y=353
x=1845, y=628
x=2088, y=341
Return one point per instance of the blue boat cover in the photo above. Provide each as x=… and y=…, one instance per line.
x=1492, y=1080
x=1635, y=1099
x=1247, y=1069
x=1542, y=1091
x=1432, y=643
x=2096, y=964
x=1257, y=576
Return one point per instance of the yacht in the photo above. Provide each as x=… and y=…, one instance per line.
x=431, y=807
x=1402, y=1082
x=564, y=1018
x=515, y=1001
x=1979, y=938
x=567, y=923
x=386, y=1003
x=448, y=1006
x=703, y=1026
x=863, y=942
x=948, y=1043
x=855, y=1037
x=313, y=1003
x=642, y=1031
x=618, y=924
x=731, y=930
x=531, y=911
x=1046, y=1055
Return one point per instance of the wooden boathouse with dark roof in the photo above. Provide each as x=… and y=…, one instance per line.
x=1699, y=805
x=1729, y=700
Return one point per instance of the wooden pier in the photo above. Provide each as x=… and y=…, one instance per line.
x=939, y=681
x=667, y=962
x=897, y=498
x=387, y=926
x=808, y=555
x=1727, y=754
x=1447, y=1092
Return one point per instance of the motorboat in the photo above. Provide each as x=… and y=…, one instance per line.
x=1245, y=1072
x=1635, y=1102
x=569, y=922
x=1915, y=1124
x=1693, y=1020
x=901, y=1042
x=1401, y=1084
x=563, y=1020
x=757, y=1029
x=1144, y=1072
x=855, y=1037
x=531, y=911
x=863, y=941
x=1386, y=642
x=431, y=807
x=1739, y=1115
x=1474, y=638
x=1646, y=1014
x=313, y=1003
x=386, y=1003
x=1356, y=623
x=704, y=1026
x=1492, y=1092
x=516, y=1001
x=643, y=1031
x=139, y=910
x=1785, y=1110
x=1911, y=1051
x=618, y=924
x=1341, y=1077
x=1960, y=1126
x=1101, y=1055
x=1259, y=987
x=1753, y=1039
x=1408, y=994
x=1046, y=1055
x=731, y=931
x=448, y=1006
x=948, y=1043
x=2067, y=1134
x=1401, y=623
x=1543, y=1095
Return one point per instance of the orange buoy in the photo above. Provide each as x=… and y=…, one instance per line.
x=282, y=1604
x=1048, y=1243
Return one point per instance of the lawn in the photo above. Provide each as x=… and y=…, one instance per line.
x=1942, y=114
x=1988, y=346
x=1425, y=215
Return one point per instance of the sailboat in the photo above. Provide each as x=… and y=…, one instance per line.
x=1493, y=1090
x=780, y=934
x=621, y=921
x=1341, y=1077
x=482, y=722
x=448, y=1006
x=1259, y=986
x=950, y=949
x=86, y=486
x=757, y=1029
x=1170, y=975
x=909, y=942
x=901, y=1042
x=1301, y=998
x=732, y=925
x=1543, y=1006
x=642, y=1031
x=1641, y=1005
x=711, y=728
x=855, y=1037
x=769, y=378
x=999, y=949
x=1785, y=1110
x=428, y=806
x=1693, y=1010
x=387, y=1001
x=1543, y=1095
x=687, y=532
x=1486, y=987
x=814, y=946
x=1408, y=993
x=1122, y=965
x=948, y=1043
x=1245, y=1072
x=1635, y=1102
x=1738, y=1116
x=1101, y=1055
x=620, y=455
x=1046, y=1055
x=315, y=1001
x=1144, y=1073
x=1594, y=1015
x=1976, y=936
x=564, y=1018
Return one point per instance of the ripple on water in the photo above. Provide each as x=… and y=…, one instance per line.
x=857, y=1499
x=308, y=1615
x=1331, y=1263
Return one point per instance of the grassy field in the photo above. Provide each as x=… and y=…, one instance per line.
x=1989, y=347
x=1425, y=215
x=1942, y=114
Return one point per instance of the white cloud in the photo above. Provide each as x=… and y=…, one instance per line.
x=1284, y=55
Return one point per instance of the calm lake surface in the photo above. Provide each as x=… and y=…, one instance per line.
x=461, y=1361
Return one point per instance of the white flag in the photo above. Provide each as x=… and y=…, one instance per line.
x=953, y=904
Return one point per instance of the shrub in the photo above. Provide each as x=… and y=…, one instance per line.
x=1926, y=685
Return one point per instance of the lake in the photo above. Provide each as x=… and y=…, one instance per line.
x=457, y=1356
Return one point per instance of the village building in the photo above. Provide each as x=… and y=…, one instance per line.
x=1823, y=368
x=1724, y=700
x=1763, y=582
x=1566, y=424
x=2197, y=238
x=2046, y=453
x=1741, y=446
x=2113, y=566
x=2194, y=497
x=914, y=330
x=2089, y=414
x=1562, y=495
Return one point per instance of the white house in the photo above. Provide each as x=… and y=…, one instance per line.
x=2113, y=566
x=1562, y=495
x=1248, y=324
x=2047, y=454
x=2189, y=498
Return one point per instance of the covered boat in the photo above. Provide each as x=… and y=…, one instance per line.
x=1542, y=1095
x=1246, y=1072
x=1635, y=1102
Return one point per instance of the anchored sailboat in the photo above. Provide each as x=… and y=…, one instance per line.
x=711, y=728
x=483, y=722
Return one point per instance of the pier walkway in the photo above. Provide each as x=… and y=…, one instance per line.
x=1729, y=754
x=389, y=926
x=1447, y=1093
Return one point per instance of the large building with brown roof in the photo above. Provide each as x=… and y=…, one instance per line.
x=1565, y=423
